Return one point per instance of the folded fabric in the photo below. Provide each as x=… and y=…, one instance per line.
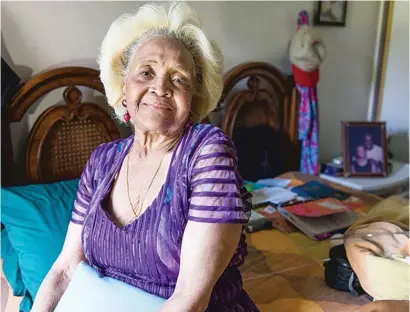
x=375, y=259
x=91, y=291
x=389, y=278
x=36, y=219
x=394, y=209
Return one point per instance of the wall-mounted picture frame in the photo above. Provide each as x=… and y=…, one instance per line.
x=364, y=149
x=330, y=13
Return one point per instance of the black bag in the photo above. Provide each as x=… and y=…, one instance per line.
x=339, y=274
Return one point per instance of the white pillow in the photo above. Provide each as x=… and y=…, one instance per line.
x=90, y=291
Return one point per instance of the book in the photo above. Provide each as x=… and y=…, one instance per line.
x=317, y=208
x=319, y=219
x=353, y=202
x=316, y=190
x=274, y=195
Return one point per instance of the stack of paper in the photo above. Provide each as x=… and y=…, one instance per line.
x=321, y=227
x=257, y=222
x=317, y=219
x=274, y=195
x=274, y=182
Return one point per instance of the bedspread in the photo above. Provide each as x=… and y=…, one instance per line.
x=284, y=272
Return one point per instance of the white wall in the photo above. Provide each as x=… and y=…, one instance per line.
x=41, y=35
x=395, y=102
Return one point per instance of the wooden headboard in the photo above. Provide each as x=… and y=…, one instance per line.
x=63, y=137
x=268, y=98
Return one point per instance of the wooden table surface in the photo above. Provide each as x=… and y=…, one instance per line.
x=285, y=273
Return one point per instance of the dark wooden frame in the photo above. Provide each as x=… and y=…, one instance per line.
x=318, y=22
x=345, y=147
x=282, y=85
x=30, y=92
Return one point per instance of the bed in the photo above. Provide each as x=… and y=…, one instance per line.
x=285, y=272
x=64, y=135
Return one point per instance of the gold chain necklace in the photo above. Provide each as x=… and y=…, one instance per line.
x=139, y=203
x=137, y=207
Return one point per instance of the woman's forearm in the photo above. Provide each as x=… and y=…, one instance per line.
x=50, y=291
x=56, y=281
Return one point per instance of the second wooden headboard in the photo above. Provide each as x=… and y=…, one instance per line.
x=268, y=98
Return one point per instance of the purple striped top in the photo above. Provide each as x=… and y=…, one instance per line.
x=202, y=185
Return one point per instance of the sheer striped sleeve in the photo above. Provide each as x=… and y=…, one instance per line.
x=217, y=192
x=84, y=191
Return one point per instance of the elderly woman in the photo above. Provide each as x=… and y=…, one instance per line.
x=163, y=209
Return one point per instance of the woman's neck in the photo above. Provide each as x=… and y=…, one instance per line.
x=146, y=143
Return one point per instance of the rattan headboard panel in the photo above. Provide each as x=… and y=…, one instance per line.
x=64, y=136
x=67, y=148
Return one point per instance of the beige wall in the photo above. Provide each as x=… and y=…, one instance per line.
x=40, y=35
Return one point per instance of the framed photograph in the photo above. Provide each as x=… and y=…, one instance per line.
x=331, y=13
x=364, y=149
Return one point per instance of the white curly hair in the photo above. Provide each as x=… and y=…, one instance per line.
x=174, y=20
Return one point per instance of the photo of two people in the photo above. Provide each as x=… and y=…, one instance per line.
x=365, y=150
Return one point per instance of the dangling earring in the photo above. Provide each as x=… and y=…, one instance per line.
x=126, y=116
x=189, y=123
